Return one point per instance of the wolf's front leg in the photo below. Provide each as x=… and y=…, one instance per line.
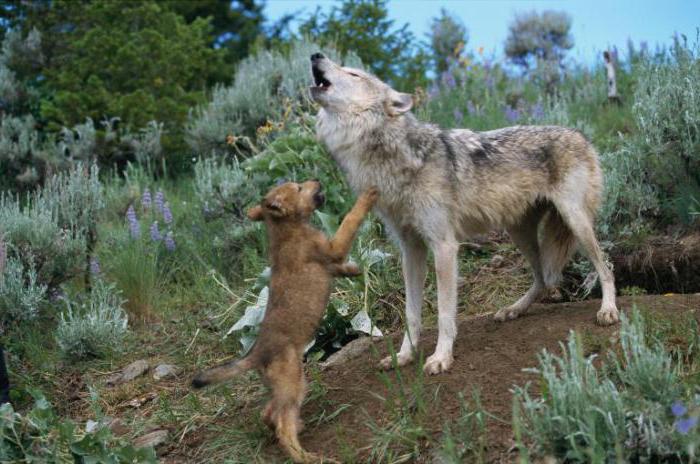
x=446, y=271
x=414, y=265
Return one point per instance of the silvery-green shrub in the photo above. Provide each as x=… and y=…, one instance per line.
x=94, y=327
x=265, y=85
x=21, y=295
x=589, y=413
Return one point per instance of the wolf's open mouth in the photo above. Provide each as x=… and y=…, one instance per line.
x=319, y=79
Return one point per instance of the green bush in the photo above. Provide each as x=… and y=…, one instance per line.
x=94, y=327
x=47, y=238
x=654, y=177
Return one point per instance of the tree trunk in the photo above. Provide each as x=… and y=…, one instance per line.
x=613, y=97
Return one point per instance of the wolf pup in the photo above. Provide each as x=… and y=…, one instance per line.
x=304, y=262
x=439, y=186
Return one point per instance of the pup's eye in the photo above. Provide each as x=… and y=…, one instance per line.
x=354, y=75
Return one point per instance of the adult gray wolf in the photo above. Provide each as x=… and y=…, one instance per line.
x=304, y=262
x=438, y=186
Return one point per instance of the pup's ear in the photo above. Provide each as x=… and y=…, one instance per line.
x=255, y=213
x=275, y=207
x=397, y=103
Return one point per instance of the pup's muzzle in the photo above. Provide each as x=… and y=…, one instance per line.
x=319, y=197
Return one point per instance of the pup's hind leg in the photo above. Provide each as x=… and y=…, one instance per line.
x=285, y=378
x=524, y=235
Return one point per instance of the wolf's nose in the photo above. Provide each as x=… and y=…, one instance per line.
x=317, y=56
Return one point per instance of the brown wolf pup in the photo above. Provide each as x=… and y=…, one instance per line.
x=304, y=262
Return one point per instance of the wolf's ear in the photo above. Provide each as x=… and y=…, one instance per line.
x=398, y=103
x=255, y=213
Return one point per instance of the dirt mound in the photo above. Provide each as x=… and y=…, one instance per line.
x=489, y=356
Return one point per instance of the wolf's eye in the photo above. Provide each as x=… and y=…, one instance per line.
x=354, y=75
x=300, y=188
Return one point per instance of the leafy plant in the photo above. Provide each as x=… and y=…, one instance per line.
x=41, y=436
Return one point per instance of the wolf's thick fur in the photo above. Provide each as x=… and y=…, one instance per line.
x=304, y=262
x=542, y=184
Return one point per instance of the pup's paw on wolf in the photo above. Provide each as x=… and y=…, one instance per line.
x=371, y=195
x=438, y=363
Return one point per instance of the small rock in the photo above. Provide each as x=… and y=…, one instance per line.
x=129, y=373
x=116, y=425
x=154, y=438
x=497, y=261
x=112, y=423
x=210, y=324
x=164, y=371
x=350, y=351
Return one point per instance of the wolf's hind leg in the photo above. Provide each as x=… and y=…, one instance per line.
x=524, y=235
x=581, y=225
x=414, y=265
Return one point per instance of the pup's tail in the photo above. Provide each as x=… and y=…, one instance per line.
x=222, y=372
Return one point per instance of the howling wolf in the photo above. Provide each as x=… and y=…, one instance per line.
x=439, y=186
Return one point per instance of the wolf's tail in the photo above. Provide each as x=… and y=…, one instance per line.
x=557, y=246
x=222, y=372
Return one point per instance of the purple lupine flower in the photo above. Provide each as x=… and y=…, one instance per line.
x=512, y=114
x=487, y=65
x=146, y=199
x=683, y=426
x=537, y=111
x=155, y=232
x=134, y=226
x=3, y=255
x=169, y=241
x=471, y=108
x=160, y=201
x=644, y=46
x=94, y=266
x=458, y=115
x=167, y=214
x=678, y=409
x=448, y=79
x=490, y=83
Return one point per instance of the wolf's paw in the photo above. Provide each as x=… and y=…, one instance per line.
x=401, y=360
x=608, y=315
x=506, y=314
x=438, y=363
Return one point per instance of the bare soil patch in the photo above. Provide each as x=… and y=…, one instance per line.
x=489, y=356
